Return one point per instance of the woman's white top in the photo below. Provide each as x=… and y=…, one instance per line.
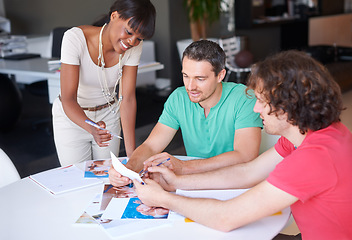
x=74, y=51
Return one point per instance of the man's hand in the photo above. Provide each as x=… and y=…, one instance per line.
x=174, y=164
x=150, y=193
x=116, y=179
x=165, y=177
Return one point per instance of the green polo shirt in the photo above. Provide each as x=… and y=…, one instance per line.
x=206, y=137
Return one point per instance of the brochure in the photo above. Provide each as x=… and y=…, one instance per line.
x=63, y=179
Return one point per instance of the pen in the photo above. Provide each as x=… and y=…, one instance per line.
x=142, y=173
x=97, y=126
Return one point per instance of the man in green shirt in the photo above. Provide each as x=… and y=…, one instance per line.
x=216, y=119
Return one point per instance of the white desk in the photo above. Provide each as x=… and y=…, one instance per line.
x=38, y=67
x=30, y=212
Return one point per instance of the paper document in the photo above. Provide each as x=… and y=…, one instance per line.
x=133, y=208
x=119, y=167
x=97, y=168
x=129, y=218
x=63, y=179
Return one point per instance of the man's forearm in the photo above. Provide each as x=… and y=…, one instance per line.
x=244, y=175
x=223, y=178
x=142, y=153
x=208, y=212
x=216, y=162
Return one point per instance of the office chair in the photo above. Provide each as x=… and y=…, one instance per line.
x=57, y=35
x=8, y=171
x=231, y=47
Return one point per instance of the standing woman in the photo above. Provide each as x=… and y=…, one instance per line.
x=98, y=82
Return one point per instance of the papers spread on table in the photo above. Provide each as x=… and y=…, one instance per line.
x=63, y=179
x=132, y=216
x=119, y=167
x=133, y=208
x=99, y=168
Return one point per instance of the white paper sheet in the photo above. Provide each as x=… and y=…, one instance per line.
x=119, y=167
x=115, y=208
x=63, y=179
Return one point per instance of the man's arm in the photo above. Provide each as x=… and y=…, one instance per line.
x=221, y=215
x=243, y=175
x=156, y=142
x=246, y=148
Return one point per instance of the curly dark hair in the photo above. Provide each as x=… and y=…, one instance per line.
x=206, y=50
x=294, y=83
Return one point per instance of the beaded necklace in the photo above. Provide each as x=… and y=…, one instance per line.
x=110, y=97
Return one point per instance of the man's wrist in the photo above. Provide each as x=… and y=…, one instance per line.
x=187, y=167
x=180, y=182
x=165, y=199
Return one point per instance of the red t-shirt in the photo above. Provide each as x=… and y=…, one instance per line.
x=319, y=174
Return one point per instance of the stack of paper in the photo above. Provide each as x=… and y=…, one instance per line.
x=54, y=65
x=10, y=45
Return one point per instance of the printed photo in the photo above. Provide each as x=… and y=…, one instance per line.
x=135, y=209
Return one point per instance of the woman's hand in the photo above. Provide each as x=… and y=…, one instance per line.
x=101, y=137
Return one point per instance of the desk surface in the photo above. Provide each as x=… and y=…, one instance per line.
x=30, y=212
x=39, y=67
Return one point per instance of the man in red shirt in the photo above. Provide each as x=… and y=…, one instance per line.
x=308, y=169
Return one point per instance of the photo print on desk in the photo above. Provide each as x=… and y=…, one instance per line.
x=92, y=214
x=100, y=168
x=135, y=209
x=131, y=215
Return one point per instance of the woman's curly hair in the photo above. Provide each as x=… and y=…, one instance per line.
x=294, y=83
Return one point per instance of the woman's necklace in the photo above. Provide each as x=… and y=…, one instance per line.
x=110, y=97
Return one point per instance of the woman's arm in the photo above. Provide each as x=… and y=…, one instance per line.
x=128, y=108
x=243, y=175
x=69, y=78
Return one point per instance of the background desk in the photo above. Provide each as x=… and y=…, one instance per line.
x=29, y=212
x=38, y=67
